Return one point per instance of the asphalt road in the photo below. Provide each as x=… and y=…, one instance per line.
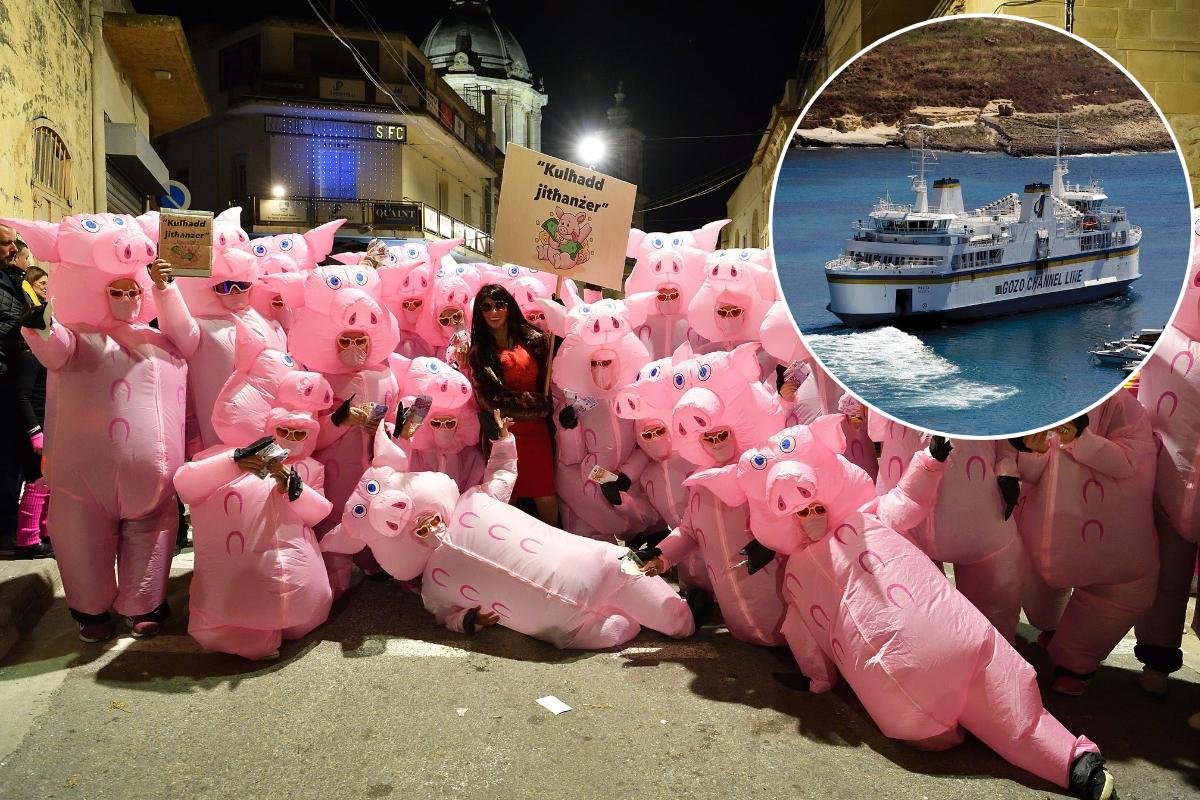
x=382, y=703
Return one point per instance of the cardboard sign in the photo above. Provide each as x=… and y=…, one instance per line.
x=185, y=239
x=562, y=218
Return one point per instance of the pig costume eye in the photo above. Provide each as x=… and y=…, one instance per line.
x=372, y=487
x=333, y=282
x=787, y=444
x=678, y=379
x=391, y=259
x=360, y=278
x=513, y=272
x=412, y=252
x=286, y=359
x=259, y=250
x=653, y=372
x=744, y=255
x=758, y=461
x=657, y=243
x=285, y=243
x=119, y=222
x=433, y=367
x=359, y=510
x=585, y=310
x=704, y=372
x=676, y=242
x=90, y=225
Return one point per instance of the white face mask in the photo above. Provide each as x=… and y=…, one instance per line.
x=354, y=357
x=815, y=526
x=124, y=309
x=235, y=302
x=443, y=438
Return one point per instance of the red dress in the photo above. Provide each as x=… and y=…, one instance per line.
x=535, y=456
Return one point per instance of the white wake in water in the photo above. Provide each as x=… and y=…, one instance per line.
x=895, y=370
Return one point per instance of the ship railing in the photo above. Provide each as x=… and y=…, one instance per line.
x=1135, y=234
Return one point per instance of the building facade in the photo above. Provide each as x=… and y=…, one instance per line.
x=306, y=128
x=1158, y=41
x=483, y=62
x=80, y=142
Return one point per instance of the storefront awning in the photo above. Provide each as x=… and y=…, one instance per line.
x=130, y=151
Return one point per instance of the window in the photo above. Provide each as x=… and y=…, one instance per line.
x=337, y=170
x=238, y=64
x=443, y=195
x=327, y=56
x=467, y=209
x=51, y=163
x=237, y=177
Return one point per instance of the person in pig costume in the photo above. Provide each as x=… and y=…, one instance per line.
x=1086, y=519
x=970, y=524
x=448, y=442
x=670, y=266
x=408, y=274
x=341, y=330
x=484, y=562
x=205, y=325
x=722, y=408
x=116, y=393
x=732, y=302
x=599, y=355
x=259, y=576
x=288, y=253
x=1170, y=392
x=866, y=604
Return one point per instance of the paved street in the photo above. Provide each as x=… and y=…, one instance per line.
x=381, y=703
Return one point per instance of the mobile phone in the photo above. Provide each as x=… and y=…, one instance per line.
x=416, y=414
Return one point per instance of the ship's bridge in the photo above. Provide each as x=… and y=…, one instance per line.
x=903, y=220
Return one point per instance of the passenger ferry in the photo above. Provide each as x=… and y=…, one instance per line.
x=931, y=261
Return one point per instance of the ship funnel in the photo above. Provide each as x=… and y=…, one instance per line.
x=947, y=196
x=1034, y=202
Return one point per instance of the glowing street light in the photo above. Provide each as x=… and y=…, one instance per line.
x=591, y=150
x=278, y=191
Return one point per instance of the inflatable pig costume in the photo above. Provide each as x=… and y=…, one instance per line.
x=341, y=330
x=478, y=554
x=970, y=523
x=670, y=266
x=448, y=442
x=598, y=357
x=1087, y=524
x=723, y=407
x=288, y=253
x=1170, y=392
x=114, y=417
x=865, y=603
x=259, y=576
x=738, y=290
x=207, y=333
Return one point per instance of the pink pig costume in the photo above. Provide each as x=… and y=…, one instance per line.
x=966, y=525
x=288, y=253
x=721, y=391
x=331, y=305
x=436, y=446
x=739, y=289
x=205, y=327
x=1087, y=524
x=595, y=333
x=114, y=415
x=259, y=576
x=1170, y=392
x=670, y=267
x=541, y=581
x=864, y=602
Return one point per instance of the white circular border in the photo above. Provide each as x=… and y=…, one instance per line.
x=924, y=23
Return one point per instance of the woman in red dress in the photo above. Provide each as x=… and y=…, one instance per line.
x=508, y=369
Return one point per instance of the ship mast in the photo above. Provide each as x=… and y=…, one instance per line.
x=918, y=180
x=1060, y=166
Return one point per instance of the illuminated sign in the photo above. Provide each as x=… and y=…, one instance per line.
x=334, y=128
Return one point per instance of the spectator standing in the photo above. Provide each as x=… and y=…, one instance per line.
x=30, y=384
x=14, y=437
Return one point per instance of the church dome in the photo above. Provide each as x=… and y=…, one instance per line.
x=487, y=48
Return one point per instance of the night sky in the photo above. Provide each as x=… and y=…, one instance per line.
x=686, y=74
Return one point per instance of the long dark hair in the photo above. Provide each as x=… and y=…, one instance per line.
x=484, y=353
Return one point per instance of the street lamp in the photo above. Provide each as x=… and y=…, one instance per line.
x=591, y=150
x=278, y=191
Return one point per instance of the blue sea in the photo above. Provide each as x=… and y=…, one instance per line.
x=994, y=377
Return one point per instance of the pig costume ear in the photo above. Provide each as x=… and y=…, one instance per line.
x=42, y=237
x=827, y=431
x=230, y=216
x=246, y=346
x=288, y=285
x=745, y=360
x=350, y=259
x=339, y=541
x=388, y=451
x=635, y=243
x=148, y=222
x=682, y=353
x=706, y=237
x=437, y=250
x=320, y=241
x=400, y=368
x=639, y=307
x=721, y=481
x=556, y=316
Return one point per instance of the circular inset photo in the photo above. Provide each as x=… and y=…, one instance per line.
x=981, y=226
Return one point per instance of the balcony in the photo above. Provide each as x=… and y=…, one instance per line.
x=385, y=219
